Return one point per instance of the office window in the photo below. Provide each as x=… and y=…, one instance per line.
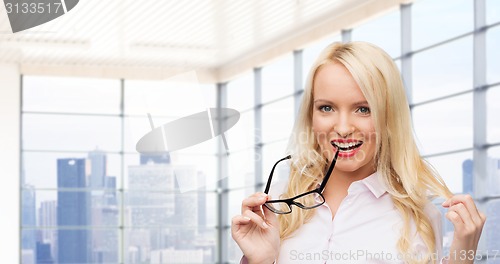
x=40, y=167
x=492, y=227
x=178, y=96
x=66, y=132
x=443, y=70
x=53, y=94
x=277, y=120
x=277, y=79
x=444, y=125
x=135, y=127
x=64, y=198
x=205, y=165
x=240, y=96
x=242, y=134
x=135, y=238
x=170, y=199
x=453, y=168
x=493, y=55
x=436, y=21
x=241, y=92
x=271, y=153
x=492, y=120
x=492, y=11
x=384, y=31
x=242, y=169
x=493, y=170
x=89, y=197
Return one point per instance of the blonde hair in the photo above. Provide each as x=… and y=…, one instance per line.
x=409, y=179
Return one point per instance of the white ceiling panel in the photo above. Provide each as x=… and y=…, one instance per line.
x=187, y=34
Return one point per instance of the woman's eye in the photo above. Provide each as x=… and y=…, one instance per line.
x=364, y=110
x=325, y=108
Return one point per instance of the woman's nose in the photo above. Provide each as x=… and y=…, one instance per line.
x=343, y=126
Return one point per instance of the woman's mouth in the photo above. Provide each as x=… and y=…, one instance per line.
x=347, y=148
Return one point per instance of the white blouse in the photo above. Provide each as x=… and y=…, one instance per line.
x=365, y=229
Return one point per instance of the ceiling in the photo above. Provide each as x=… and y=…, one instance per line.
x=157, y=38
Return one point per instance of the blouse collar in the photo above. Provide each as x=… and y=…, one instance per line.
x=373, y=183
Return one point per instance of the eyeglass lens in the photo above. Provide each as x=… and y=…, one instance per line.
x=307, y=201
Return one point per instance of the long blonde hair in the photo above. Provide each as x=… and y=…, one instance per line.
x=409, y=179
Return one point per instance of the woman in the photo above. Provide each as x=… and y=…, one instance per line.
x=377, y=201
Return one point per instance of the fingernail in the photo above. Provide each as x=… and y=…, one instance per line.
x=263, y=195
x=264, y=225
x=246, y=217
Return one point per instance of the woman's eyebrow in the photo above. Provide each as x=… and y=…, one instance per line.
x=360, y=103
x=323, y=101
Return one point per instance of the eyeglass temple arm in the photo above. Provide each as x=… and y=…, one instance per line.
x=268, y=185
x=329, y=172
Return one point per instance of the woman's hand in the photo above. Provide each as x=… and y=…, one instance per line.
x=468, y=223
x=257, y=234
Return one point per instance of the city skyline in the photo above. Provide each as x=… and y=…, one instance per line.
x=87, y=198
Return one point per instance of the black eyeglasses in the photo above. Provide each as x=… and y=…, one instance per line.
x=307, y=200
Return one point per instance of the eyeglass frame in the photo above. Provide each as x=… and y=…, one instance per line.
x=290, y=201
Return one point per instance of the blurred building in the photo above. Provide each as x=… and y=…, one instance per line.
x=28, y=219
x=47, y=218
x=176, y=256
x=72, y=212
x=43, y=253
x=104, y=210
x=493, y=176
x=150, y=205
x=28, y=256
x=468, y=177
x=97, y=161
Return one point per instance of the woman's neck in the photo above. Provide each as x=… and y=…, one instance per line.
x=340, y=181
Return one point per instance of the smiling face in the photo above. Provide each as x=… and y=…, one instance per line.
x=342, y=119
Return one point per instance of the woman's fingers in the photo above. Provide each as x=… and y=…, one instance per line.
x=251, y=211
x=455, y=219
x=465, y=216
x=254, y=203
x=240, y=219
x=468, y=222
x=470, y=206
x=237, y=222
x=472, y=212
x=255, y=218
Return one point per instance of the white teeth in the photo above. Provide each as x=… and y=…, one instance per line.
x=346, y=145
